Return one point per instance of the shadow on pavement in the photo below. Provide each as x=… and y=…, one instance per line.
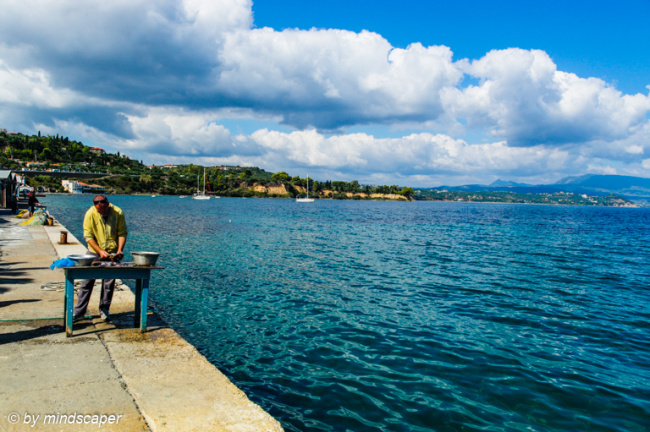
x=15, y=281
x=10, y=302
x=16, y=276
x=24, y=335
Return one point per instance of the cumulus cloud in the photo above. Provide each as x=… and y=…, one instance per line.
x=156, y=77
x=156, y=52
x=416, y=154
x=32, y=87
x=170, y=132
x=526, y=100
x=333, y=78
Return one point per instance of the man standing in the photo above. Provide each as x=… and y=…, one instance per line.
x=14, y=203
x=31, y=203
x=105, y=231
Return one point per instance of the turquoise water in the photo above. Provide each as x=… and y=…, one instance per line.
x=381, y=316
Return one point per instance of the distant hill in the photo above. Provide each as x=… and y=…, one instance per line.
x=632, y=188
x=608, y=182
x=636, y=189
x=502, y=183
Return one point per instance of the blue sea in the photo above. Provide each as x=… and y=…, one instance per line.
x=422, y=316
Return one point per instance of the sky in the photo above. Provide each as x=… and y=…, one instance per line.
x=411, y=92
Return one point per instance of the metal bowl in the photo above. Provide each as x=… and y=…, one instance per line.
x=145, y=258
x=82, y=260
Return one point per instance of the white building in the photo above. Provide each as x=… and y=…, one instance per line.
x=75, y=187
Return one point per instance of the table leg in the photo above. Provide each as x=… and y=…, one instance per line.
x=67, y=306
x=143, y=305
x=138, y=302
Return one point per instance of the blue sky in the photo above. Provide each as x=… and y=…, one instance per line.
x=417, y=93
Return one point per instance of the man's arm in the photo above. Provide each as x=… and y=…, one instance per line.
x=121, y=241
x=93, y=244
x=122, y=232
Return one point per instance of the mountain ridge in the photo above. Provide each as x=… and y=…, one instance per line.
x=636, y=189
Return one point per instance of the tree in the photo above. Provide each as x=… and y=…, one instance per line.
x=408, y=192
x=46, y=155
x=281, y=177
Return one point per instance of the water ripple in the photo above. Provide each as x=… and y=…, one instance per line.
x=409, y=316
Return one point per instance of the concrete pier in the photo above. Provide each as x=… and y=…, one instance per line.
x=107, y=376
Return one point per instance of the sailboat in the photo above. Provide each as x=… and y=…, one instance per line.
x=305, y=199
x=200, y=195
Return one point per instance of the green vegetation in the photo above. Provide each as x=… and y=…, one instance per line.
x=65, y=159
x=563, y=198
x=50, y=153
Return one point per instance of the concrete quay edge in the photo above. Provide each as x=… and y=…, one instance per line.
x=155, y=380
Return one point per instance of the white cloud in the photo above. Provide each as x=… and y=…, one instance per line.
x=635, y=149
x=167, y=78
x=597, y=168
x=332, y=78
x=32, y=87
x=173, y=132
x=169, y=135
x=154, y=52
x=523, y=98
x=415, y=154
x=96, y=28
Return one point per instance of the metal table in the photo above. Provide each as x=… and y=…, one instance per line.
x=141, y=275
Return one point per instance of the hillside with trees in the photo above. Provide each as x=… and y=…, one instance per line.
x=58, y=158
x=18, y=151
x=119, y=174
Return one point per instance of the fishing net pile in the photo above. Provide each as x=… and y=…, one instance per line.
x=40, y=217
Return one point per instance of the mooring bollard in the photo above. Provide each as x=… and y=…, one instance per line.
x=64, y=237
